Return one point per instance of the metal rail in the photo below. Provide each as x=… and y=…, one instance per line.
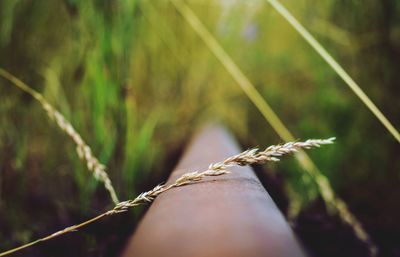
x=230, y=215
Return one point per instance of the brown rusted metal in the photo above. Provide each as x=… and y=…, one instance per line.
x=230, y=215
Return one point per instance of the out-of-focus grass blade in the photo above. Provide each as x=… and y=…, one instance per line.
x=336, y=67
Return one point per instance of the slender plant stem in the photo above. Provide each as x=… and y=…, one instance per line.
x=59, y=233
x=335, y=66
x=252, y=156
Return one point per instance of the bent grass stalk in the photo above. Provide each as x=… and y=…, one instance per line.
x=83, y=150
x=249, y=157
x=272, y=118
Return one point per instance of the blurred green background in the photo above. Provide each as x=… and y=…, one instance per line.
x=135, y=80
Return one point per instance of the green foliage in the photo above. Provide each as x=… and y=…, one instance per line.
x=135, y=81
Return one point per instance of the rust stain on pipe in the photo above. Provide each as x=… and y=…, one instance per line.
x=230, y=215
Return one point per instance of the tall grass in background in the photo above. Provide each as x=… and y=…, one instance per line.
x=77, y=55
x=135, y=80
x=98, y=64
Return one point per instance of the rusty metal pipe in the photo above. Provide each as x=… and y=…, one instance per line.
x=231, y=215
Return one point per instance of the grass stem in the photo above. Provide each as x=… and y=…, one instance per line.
x=335, y=66
x=249, y=157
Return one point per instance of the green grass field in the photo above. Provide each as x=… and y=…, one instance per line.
x=136, y=80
